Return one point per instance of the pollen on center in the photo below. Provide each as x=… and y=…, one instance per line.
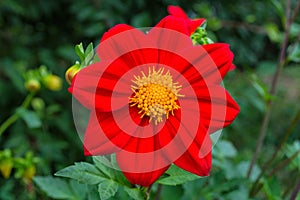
x=155, y=94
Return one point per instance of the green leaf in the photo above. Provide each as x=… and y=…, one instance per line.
x=225, y=149
x=134, y=193
x=92, y=193
x=89, y=54
x=54, y=187
x=79, y=190
x=107, y=188
x=294, y=52
x=80, y=51
x=82, y=172
x=31, y=118
x=103, y=164
x=242, y=170
x=177, y=176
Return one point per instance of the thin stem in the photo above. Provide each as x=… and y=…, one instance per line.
x=281, y=63
x=13, y=118
x=148, y=192
x=159, y=187
x=268, y=163
x=8, y=122
x=284, y=163
x=295, y=191
x=295, y=12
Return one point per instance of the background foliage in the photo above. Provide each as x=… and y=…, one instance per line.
x=44, y=141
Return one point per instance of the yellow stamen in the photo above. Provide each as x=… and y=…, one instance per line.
x=155, y=95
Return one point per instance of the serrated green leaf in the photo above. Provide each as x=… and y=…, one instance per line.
x=107, y=188
x=31, y=118
x=82, y=172
x=134, y=193
x=177, y=176
x=54, y=187
x=104, y=165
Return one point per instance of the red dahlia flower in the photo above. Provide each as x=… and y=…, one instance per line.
x=154, y=100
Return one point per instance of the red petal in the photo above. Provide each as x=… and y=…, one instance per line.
x=120, y=40
x=174, y=23
x=145, y=179
x=176, y=11
x=194, y=24
x=217, y=107
x=115, y=30
x=221, y=55
x=210, y=63
x=93, y=87
x=95, y=141
x=197, y=159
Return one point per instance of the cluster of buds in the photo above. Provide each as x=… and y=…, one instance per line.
x=36, y=78
x=24, y=168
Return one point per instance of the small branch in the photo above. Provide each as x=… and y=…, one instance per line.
x=295, y=12
x=268, y=163
x=159, y=187
x=284, y=163
x=281, y=63
x=295, y=191
x=13, y=118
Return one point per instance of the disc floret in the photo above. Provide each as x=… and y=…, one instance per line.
x=155, y=94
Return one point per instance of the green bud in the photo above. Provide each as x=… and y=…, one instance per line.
x=52, y=82
x=6, y=166
x=32, y=85
x=71, y=72
x=38, y=104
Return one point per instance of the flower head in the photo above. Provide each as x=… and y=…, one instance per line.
x=154, y=99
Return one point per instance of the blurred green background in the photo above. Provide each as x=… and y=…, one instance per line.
x=38, y=32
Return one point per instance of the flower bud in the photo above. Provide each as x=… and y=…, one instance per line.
x=6, y=166
x=32, y=85
x=52, y=82
x=29, y=172
x=38, y=104
x=71, y=72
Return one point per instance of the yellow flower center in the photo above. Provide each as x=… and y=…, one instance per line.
x=155, y=95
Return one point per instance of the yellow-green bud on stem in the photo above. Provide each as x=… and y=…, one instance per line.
x=6, y=166
x=32, y=85
x=71, y=72
x=52, y=82
x=29, y=172
x=38, y=104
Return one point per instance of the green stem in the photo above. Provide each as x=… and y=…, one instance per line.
x=284, y=163
x=287, y=134
x=280, y=65
x=13, y=118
